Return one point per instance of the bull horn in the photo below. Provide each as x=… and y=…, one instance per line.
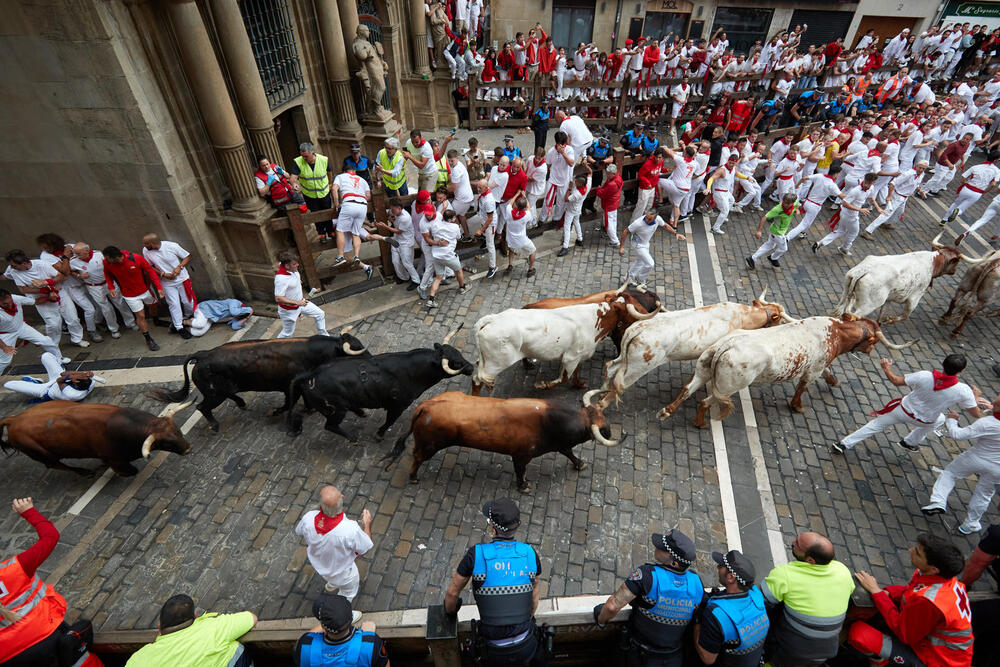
x=346, y=330
x=788, y=320
x=972, y=260
x=639, y=316
x=348, y=350
x=448, y=369
x=180, y=407
x=641, y=288
x=147, y=445
x=596, y=432
x=893, y=346
x=587, y=398
x=618, y=292
x=451, y=334
x=936, y=242
x=762, y=293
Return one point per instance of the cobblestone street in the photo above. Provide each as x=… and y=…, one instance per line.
x=218, y=524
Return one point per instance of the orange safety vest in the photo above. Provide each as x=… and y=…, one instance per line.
x=949, y=644
x=41, y=609
x=861, y=85
x=888, y=88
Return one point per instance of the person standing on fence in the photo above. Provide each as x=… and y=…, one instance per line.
x=391, y=166
x=288, y=295
x=170, y=260
x=311, y=174
x=679, y=93
x=560, y=159
x=419, y=152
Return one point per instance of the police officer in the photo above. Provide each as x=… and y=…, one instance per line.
x=504, y=576
x=665, y=596
x=540, y=125
x=631, y=141
x=734, y=623
x=599, y=156
x=509, y=149
x=335, y=642
x=361, y=165
x=650, y=142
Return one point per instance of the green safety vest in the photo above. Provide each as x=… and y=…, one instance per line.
x=443, y=175
x=391, y=182
x=313, y=178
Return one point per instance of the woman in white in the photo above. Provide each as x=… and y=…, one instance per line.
x=642, y=230
x=288, y=295
x=62, y=385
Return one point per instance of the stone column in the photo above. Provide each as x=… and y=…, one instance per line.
x=245, y=77
x=335, y=56
x=349, y=24
x=418, y=28
x=209, y=87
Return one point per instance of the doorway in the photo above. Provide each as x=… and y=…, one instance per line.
x=291, y=130
x=886, y=27
x=572, y=23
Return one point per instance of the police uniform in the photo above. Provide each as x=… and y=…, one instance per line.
x=513, y=151
x=503, y=575
x=650, y=143
x=362, y=167
x=665, y=604
x=631, y=141
x=599, y=153
x=357, y=648
x=734, y=625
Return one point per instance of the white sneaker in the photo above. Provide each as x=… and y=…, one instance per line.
x=81, y=343
x=718, y=231
x=738, y=210
x=116, y=334
x=65, y=360
x=969, y=528
x=845, y=252
x=356, y=617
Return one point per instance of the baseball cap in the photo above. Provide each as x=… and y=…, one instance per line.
x=333, y=611
x=508, y=137
x=738, y=564
x=423, y=197
x=502, y=514
x=677, y=544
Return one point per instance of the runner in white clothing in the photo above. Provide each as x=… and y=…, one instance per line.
x=461, y=188
x=401, y=225
x=488, y=212
x=288, y=295
x=578, y=134
x=41, y=281
x=932, y=392
x=350, y=196
x=722, y=183
x=560, y=159
x=900, y=190
x=677, y=186
x=517, y=236
x=88, y=266
x=852, y=202
x=57, y=252
x=13, y=329
x=62, y=385
x=169, y=260
x=537, y=171
x=642, y=230
x=975, y=181
x=574, y=208
x=813, y=192
x=991, y=212
x=982, y=460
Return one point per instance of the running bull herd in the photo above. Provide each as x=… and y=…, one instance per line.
x=733, y=346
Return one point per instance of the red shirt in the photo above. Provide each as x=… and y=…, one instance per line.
x=831, y=52
x=649, y=173
x=515, y=183
x=610, y=193
x=953, y=153
x=48, y=536
x=651, y=55
x=547, y=60
x=128, y=274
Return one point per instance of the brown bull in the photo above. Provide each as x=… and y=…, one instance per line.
x=522, y=428
x=58, y=430
x=980, y=286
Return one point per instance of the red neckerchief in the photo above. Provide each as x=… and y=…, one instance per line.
x=830, y=177
x=873, y=153
x=517, y=213
x=282, y=271
x=537, y=163
x=582, y=189
x=325, y=523
x=942, y=380
x=786, y=140
x=90, y=255
x=13, y=309
x=996, y=416
x=788, y=210
x=688, y=159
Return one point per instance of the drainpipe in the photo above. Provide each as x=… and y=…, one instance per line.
x=618, y=22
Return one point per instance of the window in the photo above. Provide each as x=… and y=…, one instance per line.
x=742, y=26
x=273, y=43
x=821, y=27
x=659, y=24
x=572, y=23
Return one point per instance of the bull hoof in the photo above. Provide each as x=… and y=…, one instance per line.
x=797, y=407
x=413, y=480
x=833, y=382
x=525, y=488
x=664, y=414
x=698, y=424
x=891, y=320
x=379, y=435
x=214, y=427
x=277, y=411
x=582, y=466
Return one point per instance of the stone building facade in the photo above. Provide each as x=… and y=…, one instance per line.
x=123, y=117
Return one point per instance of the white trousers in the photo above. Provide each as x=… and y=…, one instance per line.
x=970, y=462
x=753, y=191
x=644, y=200
x=573, y=222
x=963, y=200
x=784, y=186
x=55, y=314
x=696, y=186
x=31, y=335
x=39, y=390
x=942, y=177
x=882, y=422
x=988, y=215
x=79, y=296
x=611, y=226
x=896, y=204
x=555, y=202
x=290, y=317
x=812, y=209
x=906, y=160
x=347, y=582
x=178, y=303
x=101, y=296
x=402, y=262
x=723, y=202
x=847, y=230
x=491, y=245
x=774, y=247
x=642, y=264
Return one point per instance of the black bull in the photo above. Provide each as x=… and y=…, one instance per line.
x=385, y=381
x=256, y=365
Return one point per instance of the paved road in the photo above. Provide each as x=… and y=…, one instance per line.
x=218, y=523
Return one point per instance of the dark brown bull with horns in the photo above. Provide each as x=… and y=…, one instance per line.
x=980, y=286
x=522, y=428
x=58, y=430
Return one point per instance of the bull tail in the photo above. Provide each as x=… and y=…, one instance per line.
x=166, y=396
x=724, y=402
x=847, y=299
x=400, y=445
x=4, y=445
x=294, y=421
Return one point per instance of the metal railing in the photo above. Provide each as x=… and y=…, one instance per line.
x=273, y=42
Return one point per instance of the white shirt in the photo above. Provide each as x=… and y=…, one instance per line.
x=404, y=223
x=680, y=93
x=425, y=151
x=334, y=552
x=560, y=173
x=38, y=270
x=460, y=179
x=778, y=151
x=289, y=286
x=94, y=267
x=984, y=432
x=856, y=196
x=916, y=137
x=352, y=188
x=10, y=324
x=926, y=404
x=49, y=258
x=684, y=169
x=783, y=86
x=577, y=131
x=982, y=175
x=864, y=42
x=426, y=226
x=820, y=187
x=641, y=231
x=907, y=182
x=536, y=177
x=517, y=230
x=166, y=258
x=445, y=231
x=575, y=202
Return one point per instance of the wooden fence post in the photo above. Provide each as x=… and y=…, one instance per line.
x=302, y=245
x=379, y=205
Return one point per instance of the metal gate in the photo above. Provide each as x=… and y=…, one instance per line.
x=368, y=16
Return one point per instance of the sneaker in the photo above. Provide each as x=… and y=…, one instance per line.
x=845, y=252
x=906, y=445
x=750, y=263
x=446, y=281
x=867, y=235
x=757, y=207
x=932, y=509
x=837, y=448
x=970, y=528
x=355, y=260
x=432, y=303
x=943, y=223
x=530, y=272
x=954, y=214
x=331, y=589
x=369, y=271
x=340, y=260
x=775, y=263
x=888, y=226
x=815, y=247
x=718, y=231
x=133, y=327
x=738, y=210
x=412, y=286
x=151, y=344
x=96, y=337
x=185, y=334
x=492, y=272
x=961, y=237
x=579, y=243
x=65, y=360
x=562, y=252
x=81, y=343
x=28, y=378
x=355, y=617
x=116, y=334
x=393, y=242
x=463, y=289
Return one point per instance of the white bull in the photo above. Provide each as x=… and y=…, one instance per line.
x=879, y=279
x=801, y=350
x=569, y=334
x=681, y=335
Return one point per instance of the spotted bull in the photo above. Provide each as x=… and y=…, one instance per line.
x=681, y=335
x=980, y=286
x=569, y=334
x=56, y=430
x=801, y=350
x=256, y=365
x=522, y=428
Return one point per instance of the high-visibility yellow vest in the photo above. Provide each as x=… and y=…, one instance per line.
x=391, y=182
x=443, y=174
x=313, y=178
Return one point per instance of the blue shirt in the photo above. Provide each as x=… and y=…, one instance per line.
x=215, y=310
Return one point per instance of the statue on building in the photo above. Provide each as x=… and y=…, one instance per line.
x=439, y=30
x=372, y=72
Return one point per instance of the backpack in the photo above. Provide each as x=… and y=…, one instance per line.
x=281, y=190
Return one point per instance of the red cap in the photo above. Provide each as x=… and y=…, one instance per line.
x=427, y=209
x=423, y=196
x=628, y=42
